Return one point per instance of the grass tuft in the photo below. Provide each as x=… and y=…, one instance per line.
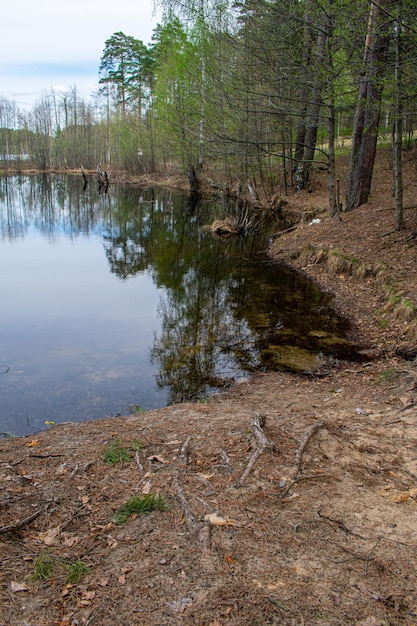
x=44, y=566
x=77, y=570
x=138, y=504
x=117, y=452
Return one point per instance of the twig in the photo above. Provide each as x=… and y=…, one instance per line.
x=263, y=444
x=23, y=522
x=77, y=513
x=303, y=478
x=39, y=455
x=282, y=232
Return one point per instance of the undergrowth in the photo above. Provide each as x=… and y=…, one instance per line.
x=397, y=303
x=117, y=452
x=138, y=504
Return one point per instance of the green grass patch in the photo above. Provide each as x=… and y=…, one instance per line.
x=44, y=567
x=77, y=570
x=139, y=505
x=117, y=452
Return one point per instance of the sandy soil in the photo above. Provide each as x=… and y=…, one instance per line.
x=288, y=500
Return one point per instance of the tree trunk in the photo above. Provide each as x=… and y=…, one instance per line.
x=303, y=168
x=368, y=109
x=398, y=125
x=304, y=91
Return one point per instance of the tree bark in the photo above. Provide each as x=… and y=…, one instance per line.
x=398, y=127
x=368, y=109
x=303, y=168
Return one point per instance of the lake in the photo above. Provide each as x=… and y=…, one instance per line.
x=122, y=302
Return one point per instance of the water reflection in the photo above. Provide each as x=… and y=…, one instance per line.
x=178, y=315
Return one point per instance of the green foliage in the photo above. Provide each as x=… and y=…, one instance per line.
x=117, y=452
x=122, y=65
x=44, y=567
x=136, y=408
x=388, y=376
x=138, y=504
x=77, y=570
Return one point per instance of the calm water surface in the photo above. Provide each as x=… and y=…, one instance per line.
x=110, y=303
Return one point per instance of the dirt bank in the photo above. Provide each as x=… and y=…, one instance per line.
x=287, y=501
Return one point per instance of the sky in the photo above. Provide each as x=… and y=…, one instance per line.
x=47, y=44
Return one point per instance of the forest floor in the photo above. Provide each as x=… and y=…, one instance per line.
x=287, y=500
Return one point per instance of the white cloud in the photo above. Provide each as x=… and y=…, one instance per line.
x=43, y=42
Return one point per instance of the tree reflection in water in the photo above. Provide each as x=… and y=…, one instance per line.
x=223, y=310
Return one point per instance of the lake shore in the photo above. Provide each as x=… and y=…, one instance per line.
x=288, y=499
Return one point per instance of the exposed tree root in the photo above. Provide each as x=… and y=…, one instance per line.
x=263, y=444
x=299, y=454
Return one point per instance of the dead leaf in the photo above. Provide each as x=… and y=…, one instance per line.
x=216, y=520
x=121, y=579
x=155, y=458
x=403, y=496
x=146, y=487
x=50, y=537
x=85, y=499
x=86, y=597
x=31, y=444
x=70, y=540
x=292, y=497
x=16, y=587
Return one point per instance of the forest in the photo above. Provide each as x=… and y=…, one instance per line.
x=256, y=90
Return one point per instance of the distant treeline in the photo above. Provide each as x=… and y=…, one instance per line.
x=259, y=91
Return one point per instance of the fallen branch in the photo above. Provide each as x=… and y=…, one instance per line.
x=23, y=522
x=282, y=232
x=263, y=444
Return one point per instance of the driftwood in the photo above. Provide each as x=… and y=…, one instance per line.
x=103, y=180
x=263, y=443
